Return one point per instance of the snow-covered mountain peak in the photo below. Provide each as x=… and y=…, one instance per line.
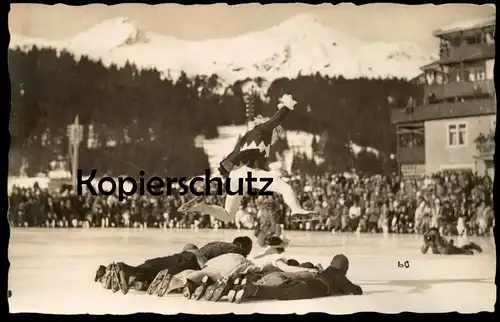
x=310, y=27
x=302, y=18
x=300, y=21
x=108, y=35
x=300, y=45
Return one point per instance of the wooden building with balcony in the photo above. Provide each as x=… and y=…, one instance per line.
x=453, y=127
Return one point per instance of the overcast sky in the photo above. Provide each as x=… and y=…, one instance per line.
x=374, y=22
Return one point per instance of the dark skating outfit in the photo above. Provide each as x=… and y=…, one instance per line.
x=253, y=148
x=304, y=285
x=439, y=245
x=188, y=259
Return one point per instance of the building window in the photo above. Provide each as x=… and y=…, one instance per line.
x=455, y=42
x=475, y=39
x=475, y=74
x=412, y=139
x=439, y=79
x=489, y=68
x=431, y=77
x=490, y=37
x=457, y=134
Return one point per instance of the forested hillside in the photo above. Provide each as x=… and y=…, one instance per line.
x=140, y=120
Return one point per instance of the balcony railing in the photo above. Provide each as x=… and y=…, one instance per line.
x=461, y=89
x=411, y=155
x=468, y=53
x=485, y=150
x=444, y=111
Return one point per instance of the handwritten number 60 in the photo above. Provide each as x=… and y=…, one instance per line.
x=406, y=264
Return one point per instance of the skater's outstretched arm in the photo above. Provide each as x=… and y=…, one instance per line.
x=346, y=287
x=268, y=251
x=338, y=283
x=275, y=120
x=285, y=106
x=274, y=248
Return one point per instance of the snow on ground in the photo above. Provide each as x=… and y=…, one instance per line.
x=298, y=141
x=59, y=174
x=26, y=182
x=54, y=267
x=218, y=148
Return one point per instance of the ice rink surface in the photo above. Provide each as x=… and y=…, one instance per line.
x=52, y=271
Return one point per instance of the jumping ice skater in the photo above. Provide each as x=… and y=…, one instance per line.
x=250, y=155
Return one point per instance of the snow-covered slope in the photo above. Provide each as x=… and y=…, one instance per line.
x=218, y=148
x=300, y=45
x=298, y=141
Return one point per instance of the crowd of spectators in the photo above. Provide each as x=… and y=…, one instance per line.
x=456, y=203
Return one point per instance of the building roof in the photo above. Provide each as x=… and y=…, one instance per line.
x=417, y=79
x=432, y=66
x=467, y=25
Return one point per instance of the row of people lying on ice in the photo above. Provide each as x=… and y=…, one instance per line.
x=221, y=269
x=440, y=245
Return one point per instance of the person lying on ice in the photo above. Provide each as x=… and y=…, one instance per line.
x=440, y=245
x=215, y=278
x=122, y=276
x=250, y=156
x=296, y=285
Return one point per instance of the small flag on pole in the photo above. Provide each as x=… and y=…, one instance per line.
x=75, y=137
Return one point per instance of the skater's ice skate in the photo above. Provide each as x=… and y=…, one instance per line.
x=189, y=289
x=108, y=277
x=99, y=274
x=121, y=277
x=304, y=217
x=190, y=205
x=156, y=283
x=163, y=288
x=475, y=247
x=221, y=289
x=202, y=287
x=246, y=289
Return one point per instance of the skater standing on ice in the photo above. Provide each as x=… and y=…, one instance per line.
x=269, y=232
x=250, y=156
x=268, y=223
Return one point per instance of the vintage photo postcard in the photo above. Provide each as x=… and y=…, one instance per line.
x=281, y=158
